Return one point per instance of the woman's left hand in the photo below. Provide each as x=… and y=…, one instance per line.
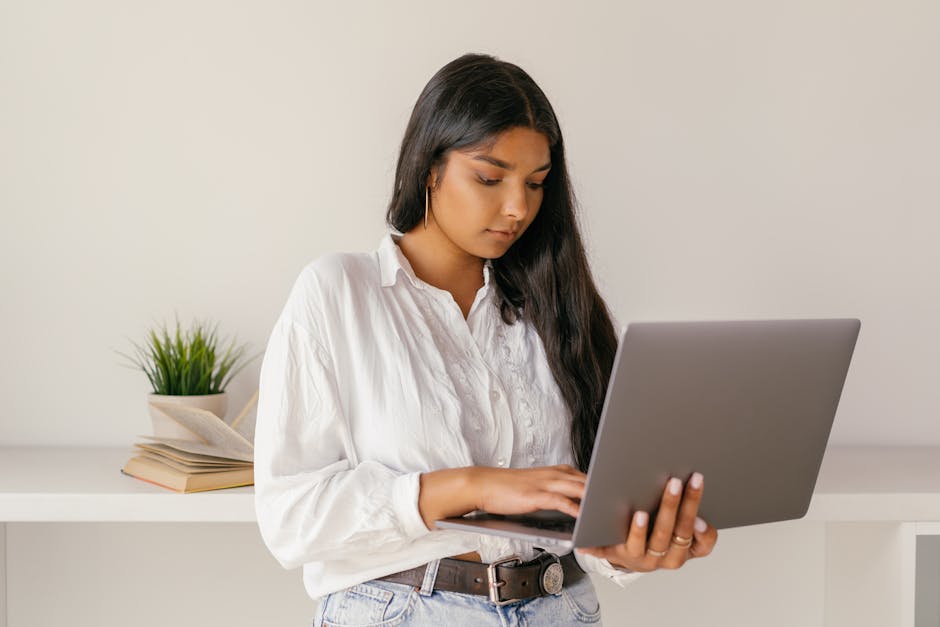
x=678, y=534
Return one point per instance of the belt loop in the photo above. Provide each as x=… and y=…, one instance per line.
x=430, y=576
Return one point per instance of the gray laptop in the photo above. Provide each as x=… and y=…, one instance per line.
x=748, y=403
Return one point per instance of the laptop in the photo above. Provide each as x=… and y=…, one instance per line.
x=748, y=403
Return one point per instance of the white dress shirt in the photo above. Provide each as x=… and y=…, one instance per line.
x=371, y=377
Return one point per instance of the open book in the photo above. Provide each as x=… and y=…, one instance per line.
x=218, y=457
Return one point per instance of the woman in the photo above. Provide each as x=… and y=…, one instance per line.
x=460, y=366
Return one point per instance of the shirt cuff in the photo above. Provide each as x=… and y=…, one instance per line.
x=620, y=576
x=405, y=490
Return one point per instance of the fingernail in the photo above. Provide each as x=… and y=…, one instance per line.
x=675, y=486
x=700, y=525
x=696, y=480
x=640, y=519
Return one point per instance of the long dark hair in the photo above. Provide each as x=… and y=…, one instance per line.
x=544, y=278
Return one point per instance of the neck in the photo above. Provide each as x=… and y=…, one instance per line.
x=438, y=262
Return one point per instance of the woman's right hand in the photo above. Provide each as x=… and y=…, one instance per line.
x=525, y=490
x=458, y=491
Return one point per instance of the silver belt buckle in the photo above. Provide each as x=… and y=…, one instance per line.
x=553, y=577
x=495, y=584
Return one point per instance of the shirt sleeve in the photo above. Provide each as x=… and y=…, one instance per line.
x=619, y=576
x=313, y=501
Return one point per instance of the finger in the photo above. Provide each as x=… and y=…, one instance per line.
x=705, y=538
x=554, y=500
x=635, y=546
x=563, y=476
x=632, y=552
x=567, y=487
x=568, y=469
x=683, y=534
x=665, y=518
x=632, y=549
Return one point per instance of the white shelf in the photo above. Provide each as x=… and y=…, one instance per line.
x=86, y=485
x=888, y=484
x=45, y=484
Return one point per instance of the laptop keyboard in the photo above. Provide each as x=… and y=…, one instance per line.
x=552, y=525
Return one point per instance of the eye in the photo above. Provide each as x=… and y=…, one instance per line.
x=490, y=182
x=487, y=181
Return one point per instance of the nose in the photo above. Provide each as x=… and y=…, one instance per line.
x=516, y=205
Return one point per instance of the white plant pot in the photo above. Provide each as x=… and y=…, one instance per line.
x=166, y=427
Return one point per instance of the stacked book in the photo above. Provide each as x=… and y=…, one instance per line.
x=216, y=457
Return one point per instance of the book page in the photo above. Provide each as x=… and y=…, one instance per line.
x=219, y=438
x=189, y=446
x=186, y=468
x=190, y=459
x=246, y=427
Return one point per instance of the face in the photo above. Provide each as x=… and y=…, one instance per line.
x=489, y=196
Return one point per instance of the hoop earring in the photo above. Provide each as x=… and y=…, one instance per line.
x=427, y=198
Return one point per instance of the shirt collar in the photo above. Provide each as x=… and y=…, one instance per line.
x=392, y=260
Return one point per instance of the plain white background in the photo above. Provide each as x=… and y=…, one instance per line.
x=733, y=159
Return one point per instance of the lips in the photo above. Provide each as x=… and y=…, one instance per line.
x=504, y=232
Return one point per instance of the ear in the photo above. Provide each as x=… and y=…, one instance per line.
x=432, y=177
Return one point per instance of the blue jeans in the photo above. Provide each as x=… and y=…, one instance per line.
x=383, y=603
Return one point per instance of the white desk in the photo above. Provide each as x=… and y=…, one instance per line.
x=85, y=484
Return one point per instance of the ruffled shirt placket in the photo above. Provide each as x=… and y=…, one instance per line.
x=486, y=419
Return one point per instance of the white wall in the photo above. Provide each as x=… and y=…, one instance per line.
x=734, y=160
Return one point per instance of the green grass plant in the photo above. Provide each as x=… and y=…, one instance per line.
x=190, y=362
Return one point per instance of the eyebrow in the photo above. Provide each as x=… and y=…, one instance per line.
x=499, y=163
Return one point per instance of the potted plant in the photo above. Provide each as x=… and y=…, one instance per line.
x=187, y=367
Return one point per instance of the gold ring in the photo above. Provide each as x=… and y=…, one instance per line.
x=681, y=542
x=655, y=553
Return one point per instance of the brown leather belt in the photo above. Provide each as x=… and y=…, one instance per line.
x=503, y=581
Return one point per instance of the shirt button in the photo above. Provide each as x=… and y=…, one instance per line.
x=501, y=462
x=494, y=395
x=528, y=423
